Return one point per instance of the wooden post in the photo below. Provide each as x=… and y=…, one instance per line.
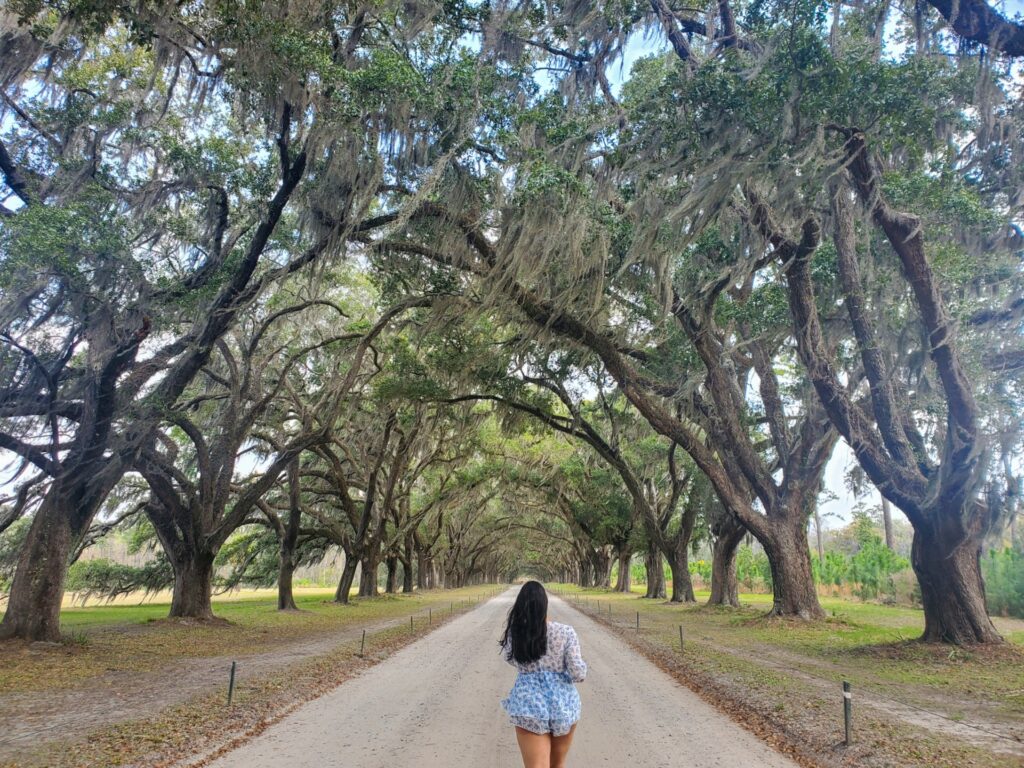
x=680, y=638
x=231, y=682
x=847, y=713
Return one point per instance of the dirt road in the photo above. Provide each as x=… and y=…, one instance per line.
x=435, y=704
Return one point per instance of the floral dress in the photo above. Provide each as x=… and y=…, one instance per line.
x=543, y=698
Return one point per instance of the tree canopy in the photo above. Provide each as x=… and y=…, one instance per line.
x=444, y=287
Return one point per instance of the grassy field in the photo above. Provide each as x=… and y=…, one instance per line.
x=130, y=687
x=133, y=636
x=916, y=704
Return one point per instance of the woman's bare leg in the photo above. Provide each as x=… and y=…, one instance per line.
x=560, y=748
x=536, y=748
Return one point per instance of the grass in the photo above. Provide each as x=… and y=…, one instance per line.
x=203, y=724
x=788, y=673
x=139, y=638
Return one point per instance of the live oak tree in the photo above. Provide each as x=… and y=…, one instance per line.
x=238, y=413
x=153, y=160
x=796, y=222
x=822, y=205
x=715, y=430
x=724, y=135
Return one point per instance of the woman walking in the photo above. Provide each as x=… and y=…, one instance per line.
x=543, y=704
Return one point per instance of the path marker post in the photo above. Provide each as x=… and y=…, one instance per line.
x=680, y=638
x=638, y=621
x=231, y=682
x=411, y=625
x=430, y=615
x=847, y=713
x=362, y=645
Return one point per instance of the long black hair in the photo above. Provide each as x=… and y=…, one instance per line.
x=526, y=631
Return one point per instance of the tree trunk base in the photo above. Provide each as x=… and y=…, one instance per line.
x=795, y=595
x=193, y=588
x=952, y=592
x=724, y=584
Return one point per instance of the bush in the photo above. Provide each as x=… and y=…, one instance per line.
x=872, y=569
x=1003, y=570
x=701, y=569
x=834, y=571
x=753, y=570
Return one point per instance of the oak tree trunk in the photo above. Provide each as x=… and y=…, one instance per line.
x=33, y=608
x=586, y=573
x=724, y=584
x=602, y=568
x=348, y=576
x=285, y=596
x=368, y=575
x=423, y=569
x=655, y=574
x=948, y=569
x=391, y=585
x=37, y=590
x=289, y=542
x=622, y=584
x=682, y=585
x=193, y=585
x=407, y=577
x=792, y=581
x=407, y=561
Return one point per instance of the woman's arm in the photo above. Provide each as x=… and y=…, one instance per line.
x=575, y=666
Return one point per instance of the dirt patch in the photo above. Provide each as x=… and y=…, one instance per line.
x=915, y=650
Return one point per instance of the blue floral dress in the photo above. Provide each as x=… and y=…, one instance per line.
x=543, y=698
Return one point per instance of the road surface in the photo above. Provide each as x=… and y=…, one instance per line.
x=435, y=704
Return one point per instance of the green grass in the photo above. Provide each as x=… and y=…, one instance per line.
x=139, y=638
x=794, y=667
x=119, y=635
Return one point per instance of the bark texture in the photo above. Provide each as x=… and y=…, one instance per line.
x=724, y=584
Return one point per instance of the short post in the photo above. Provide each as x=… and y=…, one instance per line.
x=410, y=625
x=362, y=644
x=231, y=682
x=847, y=713
x=451, y=607
x=430, y=615
x=680, y=638
x=638, y=621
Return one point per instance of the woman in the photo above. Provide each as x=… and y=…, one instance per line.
x=543, y=704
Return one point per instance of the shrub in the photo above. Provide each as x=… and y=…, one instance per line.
x=834, y=571
x=753, y=569
x=701, y=569
x=1003, y=570
x=872, y=568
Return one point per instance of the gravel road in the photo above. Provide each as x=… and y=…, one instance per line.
x=435, y=704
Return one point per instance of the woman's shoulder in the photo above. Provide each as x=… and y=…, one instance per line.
x=565, y=629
